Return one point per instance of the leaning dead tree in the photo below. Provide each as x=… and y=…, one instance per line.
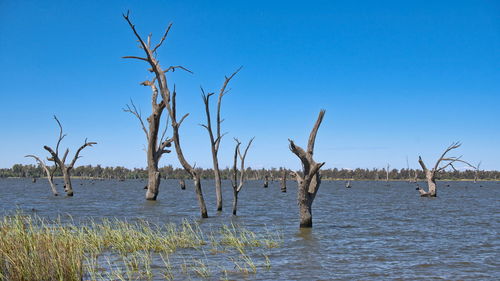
x=441, y=164
x=49, y=172
x=310, y=180
x=237, y=186
x=215, y=138
x=61, y=161
x=160, y=79
x=156, y=147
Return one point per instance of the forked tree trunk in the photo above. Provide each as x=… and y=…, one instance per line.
x=168, y=100
x=308, y=184
x=430, y=175
x=216, y=138
x=237, y=186
x=61, y=162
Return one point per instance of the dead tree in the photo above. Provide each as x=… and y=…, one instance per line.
x=283, y=180
x=266, y=181
x=169, y=99
x=49, y=172
x=216, y=138
x=237, y=186
x=309, y=182
x=387, y=173
x=61, y=162
x=156, y=148
x=182, y=183
x=441, y=164
x=476, y=172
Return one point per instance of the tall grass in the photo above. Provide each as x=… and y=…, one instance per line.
x=35, y=249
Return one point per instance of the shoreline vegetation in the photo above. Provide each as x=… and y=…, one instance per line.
x=273, y=174
x=33, y=248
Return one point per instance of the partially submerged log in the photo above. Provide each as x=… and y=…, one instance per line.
x=266, y=181
x=182, y=184
x=283, y=180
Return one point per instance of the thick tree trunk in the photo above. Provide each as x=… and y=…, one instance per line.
x=67, y=181
x=199, y=195
x=153, y=184
x=305, y=213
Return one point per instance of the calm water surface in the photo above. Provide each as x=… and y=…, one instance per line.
x=369, y=232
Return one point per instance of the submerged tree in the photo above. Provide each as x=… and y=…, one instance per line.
x=283, y=180
x=310, y=180
x=170, y=104
x=237, y=186
x=61, y=162
x=441, y=164
x=156, y=148
x=216, y=138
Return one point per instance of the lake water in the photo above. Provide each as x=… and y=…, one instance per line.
x=368, y=232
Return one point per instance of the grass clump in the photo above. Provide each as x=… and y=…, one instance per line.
x=32, y=248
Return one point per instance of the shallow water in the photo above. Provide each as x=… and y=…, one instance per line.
x=368, y=232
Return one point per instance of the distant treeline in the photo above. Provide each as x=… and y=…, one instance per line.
x=168, y=172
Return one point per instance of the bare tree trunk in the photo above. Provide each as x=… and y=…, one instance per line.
x=216, y=139
x=430, y=175
x=68, y=187
x=169, y=101
x=238, y=186
x=61, y=162
x=182, y=183
x=199, y=196
x=308, y=184
x=235, y=201
x=266, y=181
x=283, y=181
x=387, y=173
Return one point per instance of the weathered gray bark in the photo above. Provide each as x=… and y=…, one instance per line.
x=237, y=186
x=309, y=183
x=50, y=174
x=348, y=184
x=431, y=174
x=216, y=139
x=170, y=104
x=61, y=162
x=156, y=148
x=283, y=180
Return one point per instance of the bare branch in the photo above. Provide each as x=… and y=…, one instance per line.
x=137, y=114
x=173, y=68
x=454, y=145
x=134, y=57
x=314, y=132
x=163, y=38
x=78, y=152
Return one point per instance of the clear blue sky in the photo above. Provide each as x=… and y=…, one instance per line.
x=397, y=78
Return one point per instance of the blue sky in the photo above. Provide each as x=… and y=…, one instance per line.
x=398, y=78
